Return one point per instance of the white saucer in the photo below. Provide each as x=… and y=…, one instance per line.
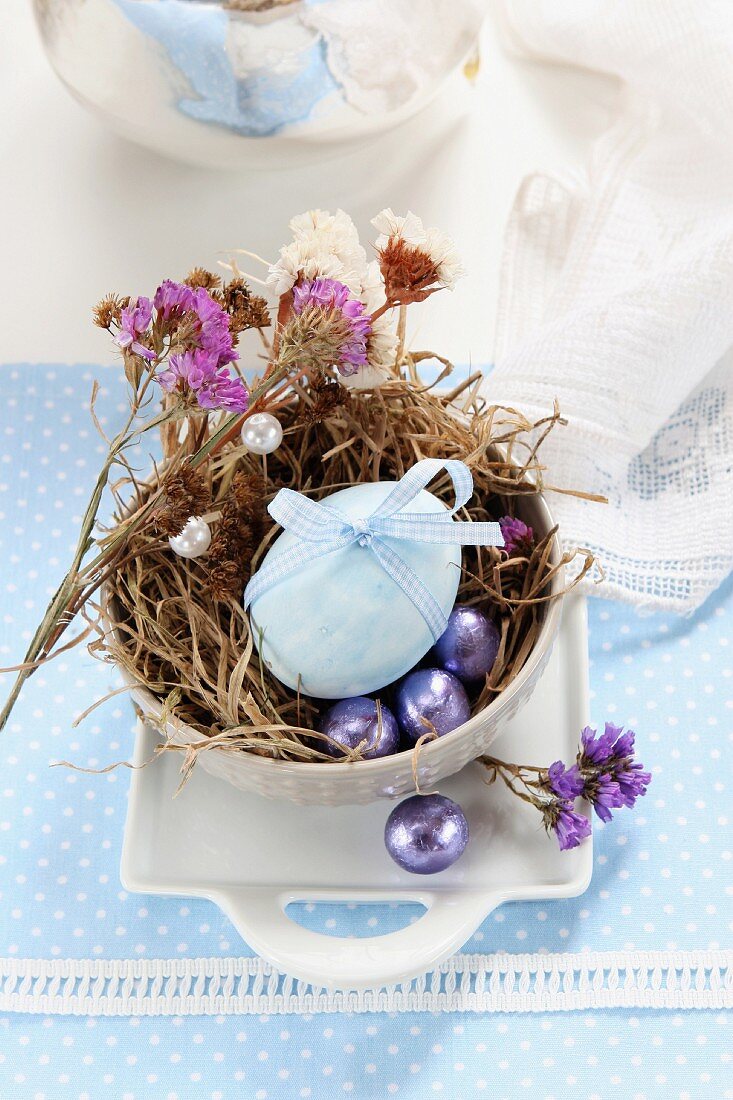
x=253, y=856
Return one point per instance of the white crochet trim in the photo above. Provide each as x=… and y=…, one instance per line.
x=466, y=983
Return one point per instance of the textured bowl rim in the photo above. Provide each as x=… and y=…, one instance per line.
x=382, y=766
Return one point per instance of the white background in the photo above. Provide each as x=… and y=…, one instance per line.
x=83, y=212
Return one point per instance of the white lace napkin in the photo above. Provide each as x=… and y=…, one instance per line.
x=617, y=296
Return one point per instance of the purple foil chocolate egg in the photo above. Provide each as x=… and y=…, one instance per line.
x=469, y=646
x=434, y=695
x=426, y=833
x=353, y=721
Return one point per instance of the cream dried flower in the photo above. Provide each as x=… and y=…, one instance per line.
x=388, y=224
x=324, y=246
x=444, y=255
x=414, y=259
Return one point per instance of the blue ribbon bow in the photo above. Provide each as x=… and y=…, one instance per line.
x=323, y=530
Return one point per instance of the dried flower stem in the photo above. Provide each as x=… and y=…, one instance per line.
x=78, y=583
x=52, y=624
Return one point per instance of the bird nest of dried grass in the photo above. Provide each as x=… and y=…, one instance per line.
x=179, y=627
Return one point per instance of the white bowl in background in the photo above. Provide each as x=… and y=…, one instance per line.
x=291, y=82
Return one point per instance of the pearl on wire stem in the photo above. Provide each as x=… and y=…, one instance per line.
x=262, y=433
x=193, y=541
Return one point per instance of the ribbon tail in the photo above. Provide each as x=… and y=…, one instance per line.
x=272, y=572
x=439, y=528
x=417, y=592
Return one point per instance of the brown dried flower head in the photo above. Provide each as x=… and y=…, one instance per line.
x=415, y=260
x=185, y=495
x=199, y=276
x=225, y=579
x=410, y=274
x=237, y=536
x=246, y=310
x=109, y=310
x=328, y=396
x=248, y=491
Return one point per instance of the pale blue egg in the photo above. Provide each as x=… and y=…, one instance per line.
x=341, y=625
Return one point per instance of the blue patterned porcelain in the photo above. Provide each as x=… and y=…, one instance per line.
x=255, y=100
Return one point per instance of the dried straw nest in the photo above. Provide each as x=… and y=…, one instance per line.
x=195, y=651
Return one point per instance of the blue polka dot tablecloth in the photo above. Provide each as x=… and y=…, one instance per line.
x=644, y=957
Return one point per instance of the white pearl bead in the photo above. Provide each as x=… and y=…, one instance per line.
x=262, y=433
x=193, y=541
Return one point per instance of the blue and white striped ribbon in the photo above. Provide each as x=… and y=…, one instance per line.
x=323, y=529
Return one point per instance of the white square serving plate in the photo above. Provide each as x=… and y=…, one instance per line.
x=254, y=856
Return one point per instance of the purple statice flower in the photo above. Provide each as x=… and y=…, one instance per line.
x=632, y=781
x=205, y=348
x=518, y=537
x=225, y=392
x=566, y=783
x=188, y=370
x=212, y=329
x=568, y=826
x=134, y=322
x=605, y=774
x=327, y=293
x=214, y=387
x=209, y=323
x=604, y=794
x=597, y=749
x=612, y=777
x=331, y=296
x=173, y=298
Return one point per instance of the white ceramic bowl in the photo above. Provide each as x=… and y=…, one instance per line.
x=336, y=784
x=289, y=83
